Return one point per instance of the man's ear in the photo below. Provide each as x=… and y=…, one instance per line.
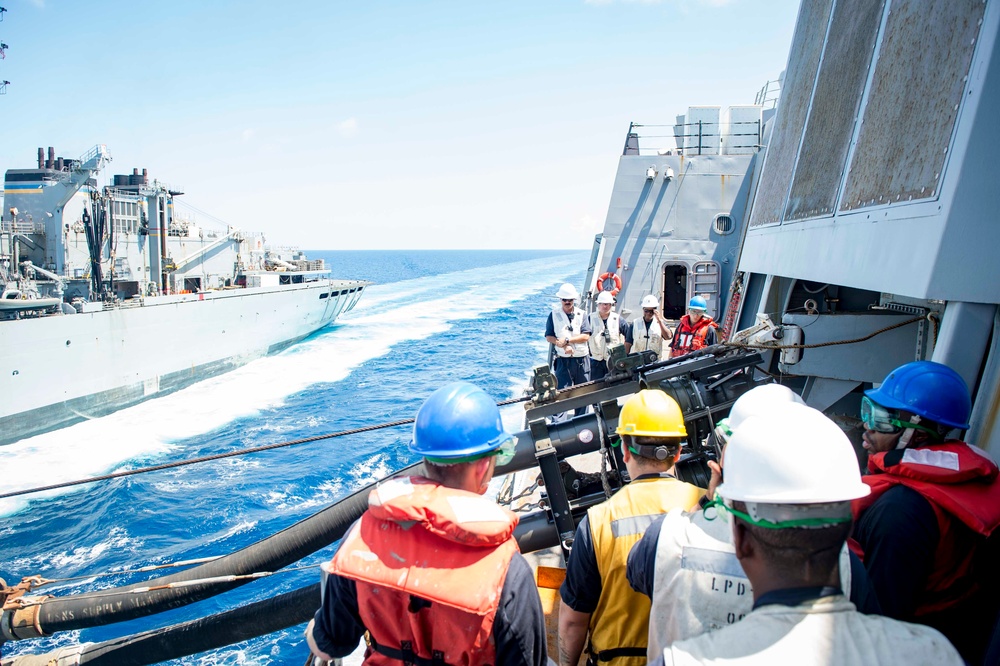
x=742, y=540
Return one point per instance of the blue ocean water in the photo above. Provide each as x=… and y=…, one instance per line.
x=432, y=317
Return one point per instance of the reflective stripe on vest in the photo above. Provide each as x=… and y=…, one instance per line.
x=563, y=328
x=646, y=338
x=598, y=345
x=620, y=619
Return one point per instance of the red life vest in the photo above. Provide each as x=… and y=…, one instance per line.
x=445, y=546
x=690, y=337
x=960, y=483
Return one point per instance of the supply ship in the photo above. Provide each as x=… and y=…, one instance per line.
x=110, y=297
x=860, y=236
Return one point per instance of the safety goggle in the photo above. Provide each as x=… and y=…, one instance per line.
x=503, y=453
x=506, y=452
x=879, y=419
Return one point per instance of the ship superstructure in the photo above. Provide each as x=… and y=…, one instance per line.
x=674, y=221
x=109, y=296
x=874, y=218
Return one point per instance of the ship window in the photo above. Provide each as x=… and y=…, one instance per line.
x=723, y=224
x=335, y=293
x=324, y=295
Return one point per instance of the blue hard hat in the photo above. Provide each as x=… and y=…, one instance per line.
x=698, y=303
x=931, y=390
x=459, y=420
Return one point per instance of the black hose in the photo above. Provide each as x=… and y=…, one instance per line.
x=271, y=554
x=207, y=633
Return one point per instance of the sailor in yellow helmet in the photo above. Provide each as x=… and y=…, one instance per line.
x=596, y=597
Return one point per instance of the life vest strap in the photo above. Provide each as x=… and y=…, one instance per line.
x=614, y=653
x=406, y=653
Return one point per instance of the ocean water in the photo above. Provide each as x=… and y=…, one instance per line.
x=432, y=317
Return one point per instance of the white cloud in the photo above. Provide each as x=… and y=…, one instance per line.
x=248, y=134
x=348, y=128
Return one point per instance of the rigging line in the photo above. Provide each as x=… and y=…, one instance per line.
x=213, y=580
x=220, y=456
x=833, y=343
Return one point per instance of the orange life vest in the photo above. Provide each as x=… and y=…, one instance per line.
x=429, y=563
x=960, y=483
x=691, y=337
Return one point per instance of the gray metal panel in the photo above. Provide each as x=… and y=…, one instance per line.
x=914, y=101
x=841, y=81
x=868, y=361
x=796, y=93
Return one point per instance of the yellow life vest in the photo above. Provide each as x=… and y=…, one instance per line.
x=619, y=626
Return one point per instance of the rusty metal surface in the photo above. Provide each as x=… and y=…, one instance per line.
x=920, y=76
x=842, y=77
x=807, y=45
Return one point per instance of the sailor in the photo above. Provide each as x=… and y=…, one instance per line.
x=695, y=329
x=642, y=335
x=596, y=597
x=934, y=501
x=431, y=574
x=687, y=565
x=568, y=329
x=607, y=329
x=791, y=475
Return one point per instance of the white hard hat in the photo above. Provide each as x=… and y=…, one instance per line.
x=649, y=301
x=567, y=291
x=791, y=455
x=605, y=297
x=760, y=400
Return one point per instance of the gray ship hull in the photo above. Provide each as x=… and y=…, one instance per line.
x=59, y=370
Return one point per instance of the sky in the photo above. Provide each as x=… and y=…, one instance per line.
x=375, y=124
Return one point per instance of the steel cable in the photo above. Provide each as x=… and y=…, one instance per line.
x=220, y=456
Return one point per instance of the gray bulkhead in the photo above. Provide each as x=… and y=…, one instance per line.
x=877, y=200
x=673, y=222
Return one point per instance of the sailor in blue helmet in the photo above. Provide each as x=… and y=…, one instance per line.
x=695, y=329
x=431, y=571
x=934, y=501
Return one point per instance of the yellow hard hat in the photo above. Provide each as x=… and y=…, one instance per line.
x=651, y=413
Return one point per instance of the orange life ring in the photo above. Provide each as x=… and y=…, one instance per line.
x=610, y=276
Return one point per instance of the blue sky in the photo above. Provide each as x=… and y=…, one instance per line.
x=376, y=124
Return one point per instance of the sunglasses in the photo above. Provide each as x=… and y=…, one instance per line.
x=648, y=311
x=879, y=419
x=569, y=300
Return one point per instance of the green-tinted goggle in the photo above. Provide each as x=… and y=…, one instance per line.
x=504, y=454
x=878, y=418
x=720, y=505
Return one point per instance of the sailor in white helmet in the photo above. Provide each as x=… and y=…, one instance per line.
x=642, y=334
x=790, y=477
x=607, y=329
x=568, y=329
x=687, y=565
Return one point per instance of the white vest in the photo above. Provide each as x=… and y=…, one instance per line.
x=598, y=345
x=563, y=329
x=827, y=632
x=639, y=340
x=698, y=583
